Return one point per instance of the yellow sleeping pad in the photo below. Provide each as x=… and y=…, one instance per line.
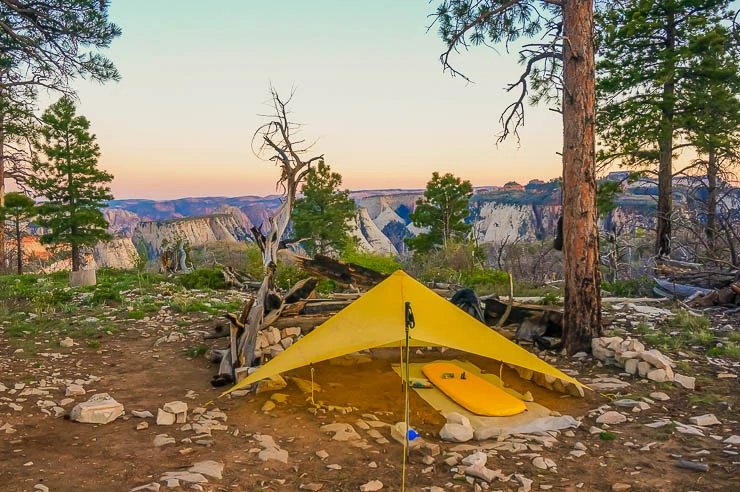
x=472, y=392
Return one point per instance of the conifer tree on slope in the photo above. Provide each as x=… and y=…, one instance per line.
x=68, y=178
x=713, y=120
x=323, y=213
x=443, y=209
x=648, y=52
x=18, y=209
x=45, y=44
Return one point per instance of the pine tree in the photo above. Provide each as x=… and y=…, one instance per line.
x=323, y=213
x=18, y=209
x=713, y=117
x=69, y=179
x=558, y=68
x=45, y=44
x=648, y=50
x=443, y=209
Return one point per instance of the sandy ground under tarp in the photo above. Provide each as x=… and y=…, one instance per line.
x=535, y=419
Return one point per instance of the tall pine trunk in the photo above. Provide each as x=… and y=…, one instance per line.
x=2, y=192
x=665, y=147
x=75, y=258
x=18, y=246
x=582, y=313
x=711, y=230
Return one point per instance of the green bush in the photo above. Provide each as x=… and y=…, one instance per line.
x=484, y=279
x=287, y=275
x=136, y=314
x=379, y=263
x=203, y=278
x=326, y=286
x=635, y=287
x=255, y=268
x=105, y=293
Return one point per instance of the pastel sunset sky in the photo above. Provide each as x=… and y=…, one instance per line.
x=369, y=86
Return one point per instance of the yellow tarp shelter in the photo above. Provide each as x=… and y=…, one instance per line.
x=377, y=319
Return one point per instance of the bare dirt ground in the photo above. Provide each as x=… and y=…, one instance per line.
x=38, y=449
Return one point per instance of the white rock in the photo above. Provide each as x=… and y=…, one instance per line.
x=175, y=407
x=656, y=359
x=630, y=366
x=273, y=335
x=456, y=418
x=276, y=454
x=74, y=390
x=643, y=368
x=291, y=332
x=483, y=473
x=286, y=342
x=686, y=382
x=659, y=396
x=184, y=476
x=67, y=342
x=99, y=409
x=705, y=420
x=456, y=433
x=658, y=375
x=539, y=462
x=342, y=432
x=269, y=406
x=524, y=481
x=165, y=418
x=371, y=486
x=626, y=403
x=275, y=383
x=322, y=454
x=732, y=440
x=150, y=487
x=40, y=487
x=611, y=418
x=476, y=459
x=145, y=414
x=163, y=440
x=275, y=350
x=209, y=468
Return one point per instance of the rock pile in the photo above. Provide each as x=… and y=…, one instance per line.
x=271, y=341
x=632, y=356
x=549, y=382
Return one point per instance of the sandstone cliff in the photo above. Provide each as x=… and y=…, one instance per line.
x=196, y=231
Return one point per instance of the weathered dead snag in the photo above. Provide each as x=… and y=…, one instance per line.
x=276, y=141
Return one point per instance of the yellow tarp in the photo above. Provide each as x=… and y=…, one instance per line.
x=377, y=319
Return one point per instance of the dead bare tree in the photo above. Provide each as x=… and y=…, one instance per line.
x=278, y=141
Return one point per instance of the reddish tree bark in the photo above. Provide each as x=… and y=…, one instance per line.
x=582, y=309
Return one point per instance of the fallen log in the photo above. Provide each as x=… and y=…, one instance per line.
x=495, y=308
x=346, y=274
x=325, y=306
x=681, y=291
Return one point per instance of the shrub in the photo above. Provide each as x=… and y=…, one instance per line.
x=203, y=278
x=136, y=314
x=254, y=263
x=374, y=261
x=287, y=275
x=636, y=287
x=104, y=293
